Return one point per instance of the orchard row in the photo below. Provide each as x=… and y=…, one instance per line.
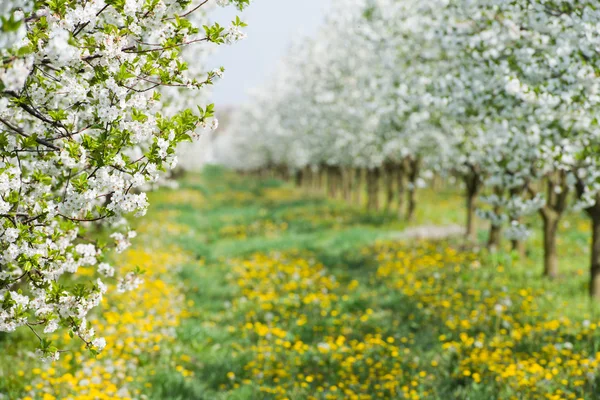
x=502, y=96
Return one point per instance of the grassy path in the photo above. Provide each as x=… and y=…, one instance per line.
x=296, y=297
x=256, y=290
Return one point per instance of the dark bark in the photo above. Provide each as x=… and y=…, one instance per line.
x=389, y=183
x=299, y=178
x=320, y=179
x=517, y=246
x=284, y=173
x=338, y=181
x=347, y=183
x=594, y=213
x=413, y=175
x=334, y=181
x=358, y=187
x=351, y=176
x=471, y=231
x=401, y=179
x=550, y=219
x=495, y=236
x=331, y=184
x=373, y=176
x=473, y=186
x=556, y=204
x=308, y=176
x=594, y=286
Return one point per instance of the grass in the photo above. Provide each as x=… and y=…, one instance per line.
x=312, y=225
x=269, y=216
x=291, y=295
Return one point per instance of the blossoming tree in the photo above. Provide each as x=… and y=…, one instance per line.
x=86, y=120
x=501, y=94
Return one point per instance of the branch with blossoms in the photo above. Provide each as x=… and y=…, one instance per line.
x=87, y=119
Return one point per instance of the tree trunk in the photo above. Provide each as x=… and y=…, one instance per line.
x=594, y=213
x=320, y=179
x=351, y=177
x=339, y=173
x=517, y=246
x=471, y=232
x=473, y=185
x=358, y=186
x=299, y=178
x=279, y=172
x=494, y=237
x=595, y=255
x=373, y=189
x=307, y=182
x=337, y=182
x=556, y=204
x=412, y=204
x=413, y=175
x=550, y=219
x=401, y=178
x=389, y=185
x=331, y=182
x=347, y=184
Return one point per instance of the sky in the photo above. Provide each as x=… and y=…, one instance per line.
x=272, y=26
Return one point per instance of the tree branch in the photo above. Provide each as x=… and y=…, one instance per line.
x=20, y=131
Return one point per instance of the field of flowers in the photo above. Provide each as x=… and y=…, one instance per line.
x=255, y=290
x=140, y=329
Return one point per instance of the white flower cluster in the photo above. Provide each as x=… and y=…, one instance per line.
x=87, y=121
